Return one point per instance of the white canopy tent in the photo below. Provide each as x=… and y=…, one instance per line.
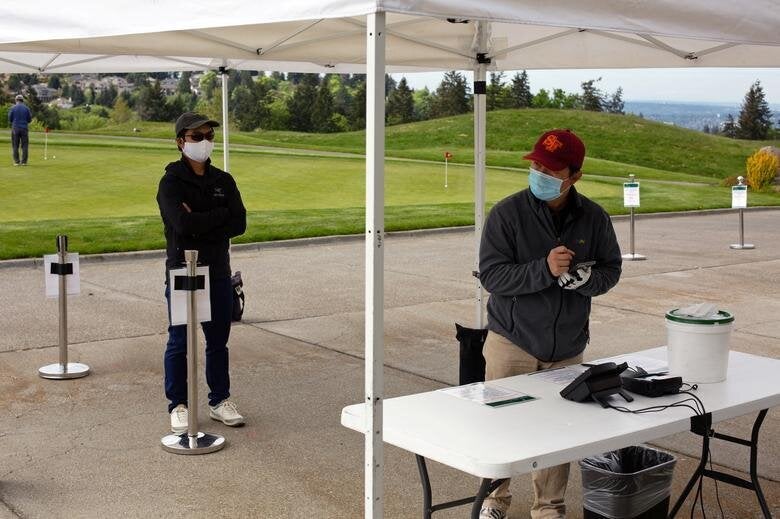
x=406, y=36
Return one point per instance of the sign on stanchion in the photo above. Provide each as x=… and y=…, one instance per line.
x=631, y=200
x=193, y=441
x=447, y=157
x=739, y=201
x=62, y=278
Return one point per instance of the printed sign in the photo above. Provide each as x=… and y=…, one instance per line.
x=631, y=194
x=738, y=197
x=447, y=155
x=179, y=298
x=52, y=281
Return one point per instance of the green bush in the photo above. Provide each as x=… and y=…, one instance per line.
x=4, y=115
x=82, y=122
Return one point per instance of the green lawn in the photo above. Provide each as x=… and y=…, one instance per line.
x=100, y=189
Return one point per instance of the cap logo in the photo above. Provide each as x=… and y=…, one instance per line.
x=552, y=144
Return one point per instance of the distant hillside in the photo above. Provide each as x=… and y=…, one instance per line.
x=623, y=139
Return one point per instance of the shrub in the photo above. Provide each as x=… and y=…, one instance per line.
x=761, y=169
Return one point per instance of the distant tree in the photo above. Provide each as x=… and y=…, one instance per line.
x=107, y=96
x=17, y=81
x=295, y=77
x=208, y=83
x=300, y=104
x=400, y=104
x=591, y=96
x=54, y=82
x=729, y=127
x=561, y=99
x=151, y=105
x=121, y=113
x=422, y=104
x=542, y=100
x=278, y=76
x=755, y=118
x=451, y=96
x=76, y=95
x=184, y=86
x=494, y=91
x=322, y=110
x=357, y=110
x=390, y=85
x=520, y=91
x=706, y=128
x=245, y=108
x=48, y=116
x=615, y=103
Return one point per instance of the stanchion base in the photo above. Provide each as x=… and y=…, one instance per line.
x=204, y=443
x=744, y=246
x=71, y=370
x=634, y=257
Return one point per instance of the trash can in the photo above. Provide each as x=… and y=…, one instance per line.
x=630, y=483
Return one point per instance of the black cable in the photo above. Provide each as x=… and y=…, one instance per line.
x=717, y=494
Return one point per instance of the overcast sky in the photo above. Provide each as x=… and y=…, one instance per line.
x=690, y=85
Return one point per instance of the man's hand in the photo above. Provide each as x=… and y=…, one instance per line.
x=559, y=259
x=574, y=280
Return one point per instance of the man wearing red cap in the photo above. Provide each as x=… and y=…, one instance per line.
x=545, y=252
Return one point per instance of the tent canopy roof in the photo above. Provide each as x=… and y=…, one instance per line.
x=329, y=35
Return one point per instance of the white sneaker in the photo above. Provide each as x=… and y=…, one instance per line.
x=179, y=419
x=492, y=513
x=227, y=413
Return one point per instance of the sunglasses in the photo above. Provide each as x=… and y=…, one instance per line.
x=197, y=137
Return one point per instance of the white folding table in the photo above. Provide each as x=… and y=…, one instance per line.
x=494, y=443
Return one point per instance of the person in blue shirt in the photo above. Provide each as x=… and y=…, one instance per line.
x=19, y=117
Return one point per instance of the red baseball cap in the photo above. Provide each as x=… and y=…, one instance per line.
x=558, y=149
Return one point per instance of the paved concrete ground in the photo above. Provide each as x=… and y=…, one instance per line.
x=91, y=447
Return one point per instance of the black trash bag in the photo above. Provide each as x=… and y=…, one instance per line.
x=472, y=363
x=238, y=296
x=629, y=483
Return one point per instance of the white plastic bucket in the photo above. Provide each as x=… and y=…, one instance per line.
x=698, y=348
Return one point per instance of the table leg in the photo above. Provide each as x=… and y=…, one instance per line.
x=485, y=488
x=702, y=425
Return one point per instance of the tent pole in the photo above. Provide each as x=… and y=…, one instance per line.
x=374, y=295
x=480, y=106
x=225, y=119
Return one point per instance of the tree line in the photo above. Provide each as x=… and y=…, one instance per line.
x=335, y=102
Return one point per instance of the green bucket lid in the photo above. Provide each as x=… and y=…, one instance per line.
x=723, y=317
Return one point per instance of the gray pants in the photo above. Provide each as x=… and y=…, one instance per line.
x=19, y=137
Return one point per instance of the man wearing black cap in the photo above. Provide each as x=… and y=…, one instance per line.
x=545, y=252
x=201, y=209
x=19, y=117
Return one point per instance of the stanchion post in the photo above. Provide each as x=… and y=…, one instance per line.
x=193, y=441
x=739, y=201
x=631, y=200
x=64, y=369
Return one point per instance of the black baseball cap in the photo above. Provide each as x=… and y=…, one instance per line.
x=191, y=120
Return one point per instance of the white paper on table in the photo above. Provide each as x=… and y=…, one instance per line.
x=52, y=281
x=560, y=376
x=631, y=194
x=488, y=394
x=738, y=197
x=649, y=364
x=179, y=297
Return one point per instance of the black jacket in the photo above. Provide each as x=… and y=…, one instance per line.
x=218, y=214
x=526, y=304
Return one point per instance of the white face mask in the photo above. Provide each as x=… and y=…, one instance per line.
x=198, y=151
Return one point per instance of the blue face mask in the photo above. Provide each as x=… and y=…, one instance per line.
x=544, y=187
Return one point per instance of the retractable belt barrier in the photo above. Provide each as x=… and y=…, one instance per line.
x=193, y=441
x=739, y=201
x=62, y=268
x=631, y=200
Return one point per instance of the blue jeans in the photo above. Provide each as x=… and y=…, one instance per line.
x=19, y=138
x=217, y=332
